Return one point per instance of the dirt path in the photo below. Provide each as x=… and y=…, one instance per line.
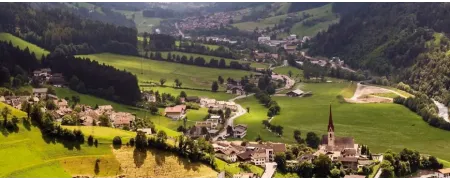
x=363, y=94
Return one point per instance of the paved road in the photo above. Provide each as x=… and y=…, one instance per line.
x=269, y=170
x=379, y=169
x=240, y=111
x=289, y=83
x=179, y=30
x=443, y=110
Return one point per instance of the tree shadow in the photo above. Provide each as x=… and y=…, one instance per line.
x=116, y=146
x=26, y=123
x=139, y=157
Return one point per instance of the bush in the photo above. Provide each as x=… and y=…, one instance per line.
x=132, y=142
x=117, y=141
x=90, y=140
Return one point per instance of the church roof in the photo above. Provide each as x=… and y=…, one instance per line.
x=330, y=122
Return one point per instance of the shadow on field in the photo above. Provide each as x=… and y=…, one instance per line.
x=139, y=157
x=26, y=123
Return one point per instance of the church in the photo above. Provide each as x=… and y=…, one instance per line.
x=341, y=149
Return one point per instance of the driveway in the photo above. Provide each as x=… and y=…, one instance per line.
x=269, y=170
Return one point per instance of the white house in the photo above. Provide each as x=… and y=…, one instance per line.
x=240, y=131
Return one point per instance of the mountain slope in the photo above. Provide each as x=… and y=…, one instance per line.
x=390, y=39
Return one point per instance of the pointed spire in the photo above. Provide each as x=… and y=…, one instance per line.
x=330, y=122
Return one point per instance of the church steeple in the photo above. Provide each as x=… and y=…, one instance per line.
x=330, y=122
x=330, y=137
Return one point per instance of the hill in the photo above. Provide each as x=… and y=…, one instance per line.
x=405, y=48
x=22, y=44
x=381, y=126
x=320, y=16
x=26, y=154
x=153, y=71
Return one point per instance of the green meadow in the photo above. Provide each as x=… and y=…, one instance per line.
x=382, y=126
x=26, y=153
x=208, y=58
x=153, y=71
x=143, y=24
x=22, y=44
x=175, y=92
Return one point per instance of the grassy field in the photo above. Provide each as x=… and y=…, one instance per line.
x=325, y=13
x=251, y=25
x=27, y=154
x=297, y=74
x=143, y=24
x=38, y=51
x=159, y=164
x=381, y=126
x=104, y=134
x=175, y=92
x=208, y=58
x=235, y=169
x=153, y=71
x=388, y=95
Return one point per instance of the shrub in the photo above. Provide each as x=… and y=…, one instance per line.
x=117, y=141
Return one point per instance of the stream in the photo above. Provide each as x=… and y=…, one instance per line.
x=443, y=110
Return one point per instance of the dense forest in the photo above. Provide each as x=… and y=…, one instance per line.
x=15, y=65
x=50, y=27
x=391, y=39
x=86, y=76
x=91, y=11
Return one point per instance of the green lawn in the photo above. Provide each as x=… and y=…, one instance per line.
x=38, y=51
x=153, y=71
x=208, y=58
x=175, y=92
x=381, y=126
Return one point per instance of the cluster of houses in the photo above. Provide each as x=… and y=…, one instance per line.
x=217, y=105
x=16, y=101
x=209, y=21
x=255, y=153
x=45, y=76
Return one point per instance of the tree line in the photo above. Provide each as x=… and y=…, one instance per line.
x=198, y=61
x=405, y=163
x=50, y=27
x=86, y=76
x=16, y=65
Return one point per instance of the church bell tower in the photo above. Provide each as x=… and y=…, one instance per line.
x=330, y=130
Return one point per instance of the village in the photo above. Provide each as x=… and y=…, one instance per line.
x=217, y=127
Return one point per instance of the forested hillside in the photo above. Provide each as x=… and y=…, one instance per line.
x=51, y=27
x=390, y=39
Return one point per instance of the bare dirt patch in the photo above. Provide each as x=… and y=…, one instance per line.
x=364, y=94
x=159, y=164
